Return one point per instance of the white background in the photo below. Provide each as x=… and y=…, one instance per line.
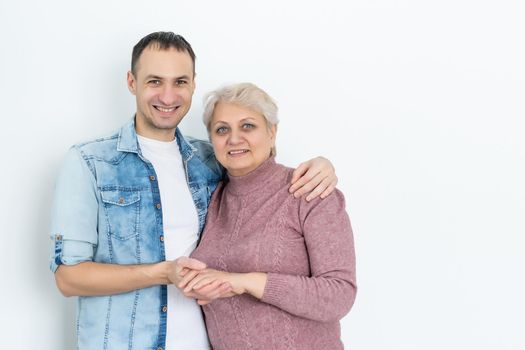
x=419, y=104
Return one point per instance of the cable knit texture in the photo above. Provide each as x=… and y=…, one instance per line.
x=307, y=249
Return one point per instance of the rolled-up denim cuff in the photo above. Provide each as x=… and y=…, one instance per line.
x=69, y=252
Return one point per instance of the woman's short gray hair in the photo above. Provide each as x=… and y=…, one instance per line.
x=246, y=95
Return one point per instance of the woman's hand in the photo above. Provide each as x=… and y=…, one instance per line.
x=252, y=283
x=208, y=276
x=184, y=269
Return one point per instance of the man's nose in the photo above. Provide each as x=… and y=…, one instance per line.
x=168, y=95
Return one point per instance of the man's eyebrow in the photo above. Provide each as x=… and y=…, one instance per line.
x=151, y=76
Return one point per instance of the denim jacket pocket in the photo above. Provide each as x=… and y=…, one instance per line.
x=122, y=209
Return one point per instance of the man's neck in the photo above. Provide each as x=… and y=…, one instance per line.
x=146, y=131
x=164, y=137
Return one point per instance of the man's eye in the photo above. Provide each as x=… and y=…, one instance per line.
x=154, y=82
x=181, y=82
x=221, y=130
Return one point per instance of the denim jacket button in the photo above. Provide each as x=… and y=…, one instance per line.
x=157, y=206
x=162, y=238
x=159, y=348
x=152, y=178
x=121, y=200
x=164, y=308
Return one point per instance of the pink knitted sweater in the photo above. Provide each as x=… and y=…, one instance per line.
x=255, y=225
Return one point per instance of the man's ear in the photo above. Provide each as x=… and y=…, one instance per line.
x=132, y=83
x=194, y=82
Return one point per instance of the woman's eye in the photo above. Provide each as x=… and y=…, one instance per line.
x=248, y=126
x=221, y=130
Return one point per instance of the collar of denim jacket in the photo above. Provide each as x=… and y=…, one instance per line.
x=186, y=149
x=127, y=138
x=128, y=142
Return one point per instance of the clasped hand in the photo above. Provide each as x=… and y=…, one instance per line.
x=196, y=281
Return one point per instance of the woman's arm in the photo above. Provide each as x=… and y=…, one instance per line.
x=252, y=283
x=328, y=294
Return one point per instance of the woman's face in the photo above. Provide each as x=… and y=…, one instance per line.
x=240, y=138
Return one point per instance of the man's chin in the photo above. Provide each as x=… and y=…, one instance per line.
x=165, y=123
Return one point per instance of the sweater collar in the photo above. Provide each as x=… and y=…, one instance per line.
x=258, y=178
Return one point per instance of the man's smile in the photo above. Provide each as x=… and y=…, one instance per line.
x=165, y=109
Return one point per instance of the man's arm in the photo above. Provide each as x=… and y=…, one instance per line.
x=74, y=227
x=315, y=177
x=91, y=279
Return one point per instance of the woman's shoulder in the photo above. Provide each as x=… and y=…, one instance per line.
x=281, y=177
x=284, y=170
x=336, y=198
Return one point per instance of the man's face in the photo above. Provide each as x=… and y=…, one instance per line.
x=163, y=85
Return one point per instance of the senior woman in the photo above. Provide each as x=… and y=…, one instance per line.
x=290, y=263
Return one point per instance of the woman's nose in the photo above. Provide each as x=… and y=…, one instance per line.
x=235, y=137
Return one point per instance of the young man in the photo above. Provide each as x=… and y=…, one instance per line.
x=129, y=207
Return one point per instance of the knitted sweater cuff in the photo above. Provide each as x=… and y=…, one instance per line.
x=276, y=288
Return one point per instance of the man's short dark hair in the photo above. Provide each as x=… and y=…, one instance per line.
x=161, y=41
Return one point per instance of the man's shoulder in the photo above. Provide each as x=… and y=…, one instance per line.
x=101, y=148
x=204, y=151
x=203, y=147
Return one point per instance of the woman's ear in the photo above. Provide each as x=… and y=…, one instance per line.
x=273, y=131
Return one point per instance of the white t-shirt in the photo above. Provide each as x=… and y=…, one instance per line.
x=185, y=323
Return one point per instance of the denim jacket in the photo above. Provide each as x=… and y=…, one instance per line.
x=107, y=209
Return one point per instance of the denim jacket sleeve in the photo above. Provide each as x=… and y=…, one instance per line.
x=74, y=213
